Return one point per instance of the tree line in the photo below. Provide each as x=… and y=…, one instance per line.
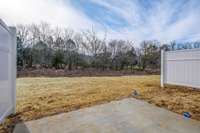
x=62, y=48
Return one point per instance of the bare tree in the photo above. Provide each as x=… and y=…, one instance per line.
x=91, y=43
x=23, y=34
x=45, y=32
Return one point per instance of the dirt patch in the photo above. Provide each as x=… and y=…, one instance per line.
x=40, y=97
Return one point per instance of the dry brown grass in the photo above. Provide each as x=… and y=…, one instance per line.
x=40, y=97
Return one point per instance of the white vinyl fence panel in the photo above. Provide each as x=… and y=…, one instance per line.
x=181, y=67
x=7, y=70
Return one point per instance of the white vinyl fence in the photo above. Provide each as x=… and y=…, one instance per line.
x=7, y=70
x=181, y=67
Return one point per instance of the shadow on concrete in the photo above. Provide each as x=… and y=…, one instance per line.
x=21, y=128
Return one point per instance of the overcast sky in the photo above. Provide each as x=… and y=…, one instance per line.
x=136, y=20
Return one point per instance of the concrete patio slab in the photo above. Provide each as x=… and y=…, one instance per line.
x=125, y=116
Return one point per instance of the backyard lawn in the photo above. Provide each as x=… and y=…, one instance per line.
x=40, y=97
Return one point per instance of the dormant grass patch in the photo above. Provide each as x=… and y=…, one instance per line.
x=40, y=97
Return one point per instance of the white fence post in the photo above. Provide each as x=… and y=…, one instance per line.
x=14, y=65
x=162, y=68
